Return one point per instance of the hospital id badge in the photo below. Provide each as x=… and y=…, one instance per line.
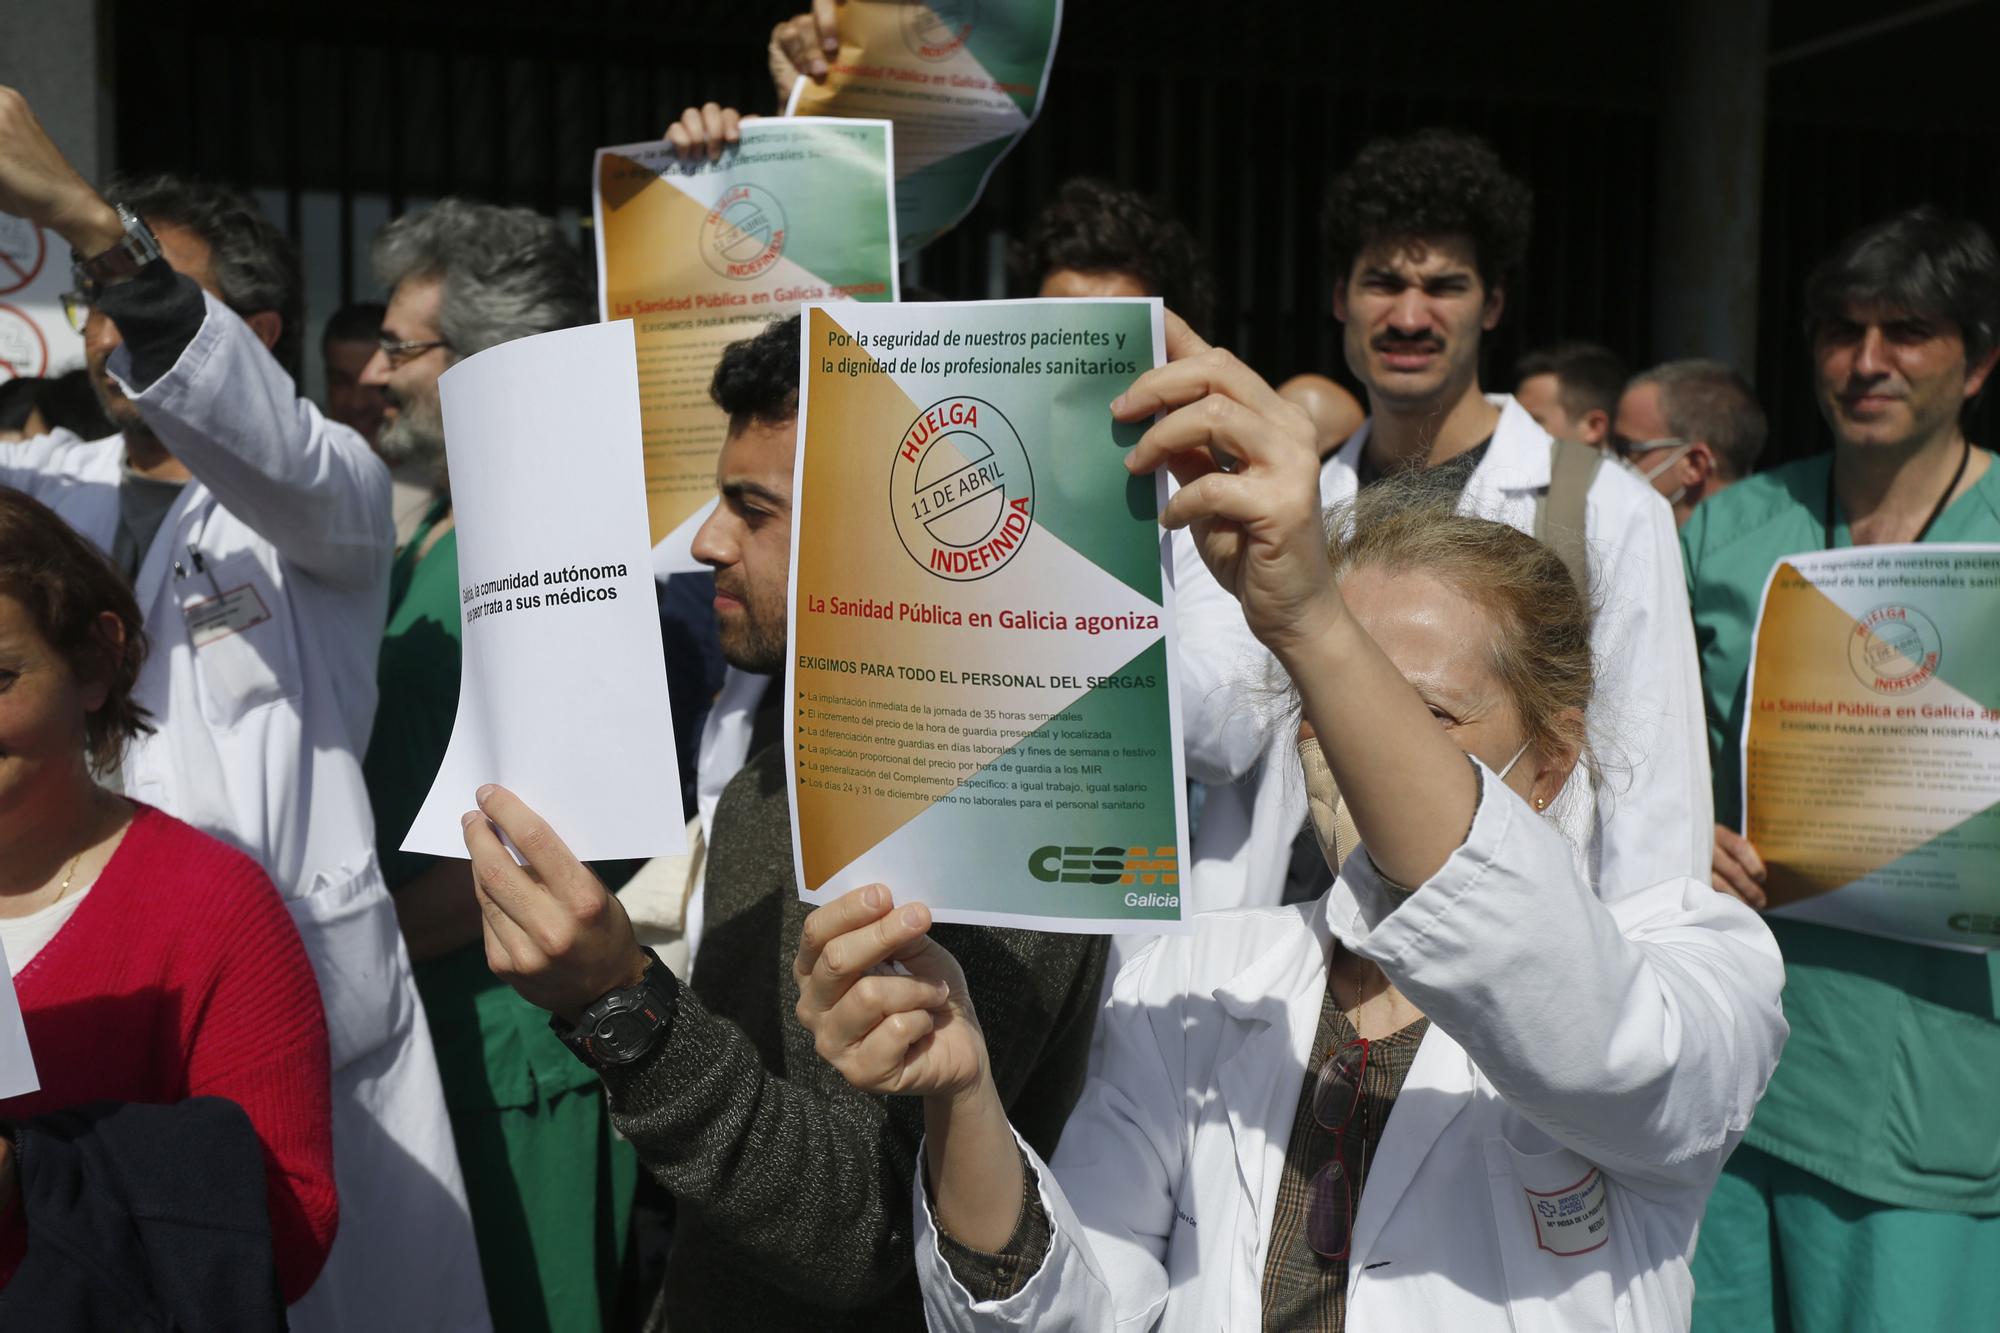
x=1574, y=1220
x=217, y=618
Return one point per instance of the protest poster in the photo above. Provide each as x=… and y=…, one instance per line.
x=563, y=693
x=700, y=254
x=1871, y=749
x=981, y=701
x=962, y=80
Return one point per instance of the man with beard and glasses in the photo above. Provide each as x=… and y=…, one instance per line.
x=550, y=1188
x=1425, y=233
x=256, y=533
x=794, y=1187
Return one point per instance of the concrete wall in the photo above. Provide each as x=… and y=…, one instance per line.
x=56, y=54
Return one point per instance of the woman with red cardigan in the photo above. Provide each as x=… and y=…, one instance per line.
x=152, y=963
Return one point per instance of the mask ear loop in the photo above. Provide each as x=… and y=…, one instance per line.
x=1333, y=826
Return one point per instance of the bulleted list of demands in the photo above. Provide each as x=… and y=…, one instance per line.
x=982, y=714
x=914, y=751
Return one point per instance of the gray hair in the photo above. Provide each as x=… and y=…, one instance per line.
x=507, y=272
x=1707, y=401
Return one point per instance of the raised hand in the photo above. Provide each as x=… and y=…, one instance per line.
x=1249, y=477
x=911, y=1033
x=1739, y=871
x=705, y=131
x=801, y=46
x=38, y=183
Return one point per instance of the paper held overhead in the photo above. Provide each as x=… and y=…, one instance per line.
x=563, y=696
x=980, y=675
x=701, y=253
x=961, y=79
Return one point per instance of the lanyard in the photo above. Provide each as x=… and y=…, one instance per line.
x=1943, y=500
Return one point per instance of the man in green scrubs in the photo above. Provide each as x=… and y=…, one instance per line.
x=1866, y=1194
x=549, y=1185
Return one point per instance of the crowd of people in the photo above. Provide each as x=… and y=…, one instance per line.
x=1481, y=1026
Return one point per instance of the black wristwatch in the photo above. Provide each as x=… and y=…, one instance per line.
x=627, y=1023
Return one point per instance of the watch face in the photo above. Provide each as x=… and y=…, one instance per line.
x=621, y=1033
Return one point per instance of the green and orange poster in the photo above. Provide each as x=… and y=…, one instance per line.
x=700, y=254
x=982, y=705
x=1871, y=751
x=961, y=79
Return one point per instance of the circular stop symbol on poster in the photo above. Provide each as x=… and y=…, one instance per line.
x=22, y=250
x=23, y=349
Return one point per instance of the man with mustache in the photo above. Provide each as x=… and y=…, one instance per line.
x=549, y=1186
x=1425, y=233
x=1865, y=1193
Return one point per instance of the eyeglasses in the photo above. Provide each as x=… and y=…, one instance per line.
x=399, y=351
x=76, y=307
x=1631, y=449
x=1330, y=1201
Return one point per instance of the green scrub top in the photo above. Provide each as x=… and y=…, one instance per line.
x=1889, y=1083
x=549, y=1189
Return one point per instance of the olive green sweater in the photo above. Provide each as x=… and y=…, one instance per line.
x=794, y=1188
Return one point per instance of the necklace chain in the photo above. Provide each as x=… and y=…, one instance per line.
x=68, y=875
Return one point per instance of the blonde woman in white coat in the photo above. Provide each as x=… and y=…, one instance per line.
x=1566, y=1076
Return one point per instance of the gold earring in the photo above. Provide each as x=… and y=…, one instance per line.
x=1541, y=801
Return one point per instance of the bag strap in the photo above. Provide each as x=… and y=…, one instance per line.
x=1560, y=510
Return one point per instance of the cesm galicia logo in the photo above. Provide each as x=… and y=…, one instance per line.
x=744, y=233
x=1108, y=865
x=961, y=490
x=938, y=30
x=1894, y=649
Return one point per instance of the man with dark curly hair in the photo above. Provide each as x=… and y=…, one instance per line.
x=1095, y=239
x=1426, y=231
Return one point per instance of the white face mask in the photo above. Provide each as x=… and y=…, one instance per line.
x=1331, y=823
x=1673, y=451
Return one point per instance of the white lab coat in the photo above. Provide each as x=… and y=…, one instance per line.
x=1599, y=1059
x=259, y=742
x=1650, y=818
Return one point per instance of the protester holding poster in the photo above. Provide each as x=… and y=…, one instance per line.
x=961, y=80
x=795, y=1187
x=983, y=659
x=1868, y=1181
x=1487, y=1100
x=701, y=242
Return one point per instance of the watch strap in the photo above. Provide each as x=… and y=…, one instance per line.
x=651, y=1003
x=133, y=252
